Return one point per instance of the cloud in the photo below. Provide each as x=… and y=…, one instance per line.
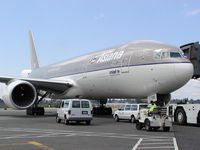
x=99, y=16
x=193, y=12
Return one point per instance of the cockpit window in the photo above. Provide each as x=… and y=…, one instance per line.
x=175, y=55
x=157, y=55
x=165, y=55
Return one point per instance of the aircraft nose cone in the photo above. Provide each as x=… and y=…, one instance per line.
x=183, y=73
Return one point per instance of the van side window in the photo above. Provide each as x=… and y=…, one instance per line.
x=76, y=104
x=85, y=104
x=134, y=107
x=128, y=107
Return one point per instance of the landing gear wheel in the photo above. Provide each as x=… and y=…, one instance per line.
x=148, y=125
x=58, y=120
x=132, y=119
x=30, y=111
x=180, y=116
x=116, y=118
x=139, y=125
x=38, y=111
x=155, y=128
x=166, y=129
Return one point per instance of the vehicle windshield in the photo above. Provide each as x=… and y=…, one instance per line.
x=143, y=106
x=66, y=104
x=122, y=107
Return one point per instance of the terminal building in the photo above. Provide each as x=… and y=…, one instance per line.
x=192, y=52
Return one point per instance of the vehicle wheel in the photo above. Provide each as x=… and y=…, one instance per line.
x=166, y=129
x=116, y=118
x=66, y=121
x=198, y=119
x=132, y=119
x=138, y=125
x=155, y=128
x=88, y=122
x=58, y=120
x=148, y=125
x=180, y=116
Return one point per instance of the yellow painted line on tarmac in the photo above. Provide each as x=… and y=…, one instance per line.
x=13, y=144
x=40, y=145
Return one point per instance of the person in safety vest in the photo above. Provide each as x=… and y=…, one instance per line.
x=152, y=107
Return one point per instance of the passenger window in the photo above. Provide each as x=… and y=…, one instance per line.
x=76, y=104
x=128, y=107
x=66, y=104
x=85, y=104
x=134, y=107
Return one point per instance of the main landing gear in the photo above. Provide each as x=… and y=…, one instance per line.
x=35, y=110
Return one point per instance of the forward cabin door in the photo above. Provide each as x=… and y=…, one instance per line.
x=126, y=61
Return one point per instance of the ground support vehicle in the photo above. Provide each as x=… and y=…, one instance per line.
x=79, y=110
x=184, y=113
x=154, y=121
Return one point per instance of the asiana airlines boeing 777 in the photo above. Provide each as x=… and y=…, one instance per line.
x=133, y=70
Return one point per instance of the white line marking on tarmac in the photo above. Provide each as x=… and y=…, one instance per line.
x=175, y=144
x=144, y=142
x=159, y=147
x=137, y=144
x=156, y=143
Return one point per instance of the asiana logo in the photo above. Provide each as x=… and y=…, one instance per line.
x=106, y=57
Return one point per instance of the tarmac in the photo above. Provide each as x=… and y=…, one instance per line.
x=18, y=131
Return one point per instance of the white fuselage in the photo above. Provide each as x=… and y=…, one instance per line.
x=128, y=82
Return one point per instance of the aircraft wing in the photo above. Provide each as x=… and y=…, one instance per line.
x=52, y=86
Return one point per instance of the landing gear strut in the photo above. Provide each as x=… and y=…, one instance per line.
x=35, y=110
x=102, y=109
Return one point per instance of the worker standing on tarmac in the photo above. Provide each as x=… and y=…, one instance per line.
x=152, y=108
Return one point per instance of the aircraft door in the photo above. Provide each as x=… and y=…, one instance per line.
x=84, y=70
x=125, y=64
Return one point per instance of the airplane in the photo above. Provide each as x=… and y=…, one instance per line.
x=136, y=69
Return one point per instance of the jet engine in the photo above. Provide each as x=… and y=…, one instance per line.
x=20, y=94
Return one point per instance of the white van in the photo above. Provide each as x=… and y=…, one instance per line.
x=75, y=110
x=129, y=112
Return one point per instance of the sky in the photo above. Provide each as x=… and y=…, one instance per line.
x=67, y=28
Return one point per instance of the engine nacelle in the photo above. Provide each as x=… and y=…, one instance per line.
x=20, y=94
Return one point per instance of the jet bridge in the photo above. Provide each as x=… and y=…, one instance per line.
x=192, y=52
